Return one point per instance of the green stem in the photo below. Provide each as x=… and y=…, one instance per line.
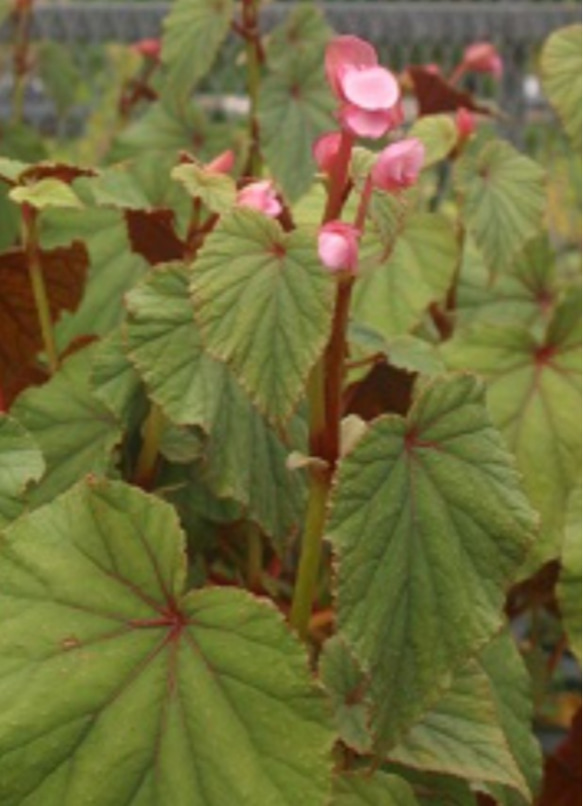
x=39, y=291
x=254, y=558
x=148, y=457
x=253, y=54
x=20, y=59
x=310, y=557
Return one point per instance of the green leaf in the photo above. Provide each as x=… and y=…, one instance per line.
x=534, y=396
x=115, y=382
x=503, y=200
x=560, y=68
x=480, y=728
x=216, y=191
x=21, y=463
x=569, y=585
x=244, y=458
x=194, y=30
x=74, y=430
x=525, y=292
x=399, y=282
x=304, y=29
x=438, y=133
x=346, y=685
x=46, y=193
x=295, y=106
x=432, y=789
x=405, y=352
x=137, y=693
x=429, y=525
x=376, y=789
x=59, y=73
x=264, y=303
x=141, y=184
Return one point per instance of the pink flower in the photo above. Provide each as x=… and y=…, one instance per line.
x=260, y=196
x=465, y=122
x=482, y=57
x=338, y=246
x=223, y=164
x=325, y=150
x=398, y=165
x=366, y=91
x=148, y=48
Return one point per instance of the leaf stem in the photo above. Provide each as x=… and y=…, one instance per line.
x=148, y=456
x=250, y=32
x=254, y=557
x=23, y=12
x=338, y=178
x=37, y=282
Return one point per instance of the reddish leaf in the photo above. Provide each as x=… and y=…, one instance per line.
x=64, y=271
x=562, y=778
x=434, y=94
x=54, y=170
x=384, y=389
x=152, y=235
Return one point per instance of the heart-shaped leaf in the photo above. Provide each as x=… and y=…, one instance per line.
x=560, y=68
x=427, y=519
x=21, y=462
x=75, y=431
x=193, y=33
x=503, y=200
x=135, y=692
x=244, y=458
x=264, y=303
x=534, y=395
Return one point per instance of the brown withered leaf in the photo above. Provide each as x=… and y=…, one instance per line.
x=54, y=170
x=64, y=271
x=152, y=235
x=434, y=94
x=385, y=389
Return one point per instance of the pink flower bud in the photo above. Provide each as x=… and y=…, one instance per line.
x=465, y=122
x=223, y=164
x=325, y=150
x=338, y=246
x=260, y=196
x=398, y=165
x=366, y=91
x=148, y=48
x=482, y=57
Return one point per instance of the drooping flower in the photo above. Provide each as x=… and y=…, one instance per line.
x=398, y=165
x=223, y=164
x=260, y=196
x=482, y=57
x=148, y=48
x=367, y=92
x=338, y=246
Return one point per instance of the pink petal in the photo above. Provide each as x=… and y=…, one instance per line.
x=362, y=123
x=398, y=165
x=482, y=57
x=260, y=196
x=325, y=150
x=371, y=88
x=338, y=246
x=465, y=122
x=223, y=164
x=347, y=51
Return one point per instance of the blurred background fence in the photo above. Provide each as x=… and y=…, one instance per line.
x=413, y=32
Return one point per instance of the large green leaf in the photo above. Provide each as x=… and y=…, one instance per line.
x=524, y=293
x=264, y=303
x=569, y=585
x=439, y=135
x=560, y=68
x=244, y=457
x=75, y=431
x=534, y=396
x=21, y=463
x=376, y=789
x=428, y=524
x=118, y=688
x=402, y=277
x=193, y=33
x=503, y=200
x=480, y=728
x=295, y=106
